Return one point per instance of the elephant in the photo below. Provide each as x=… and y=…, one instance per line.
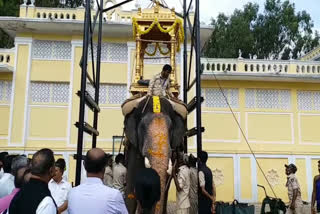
x=152, y=139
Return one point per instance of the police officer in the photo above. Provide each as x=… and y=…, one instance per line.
x=294, y=192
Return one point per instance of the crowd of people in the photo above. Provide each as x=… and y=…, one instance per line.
x=38, y=185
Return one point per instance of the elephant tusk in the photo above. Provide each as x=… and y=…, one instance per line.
x=169, y=171
x=147, y=162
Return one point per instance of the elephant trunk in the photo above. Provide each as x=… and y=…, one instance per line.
x=157, y=150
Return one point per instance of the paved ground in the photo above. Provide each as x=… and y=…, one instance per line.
x=171, y=209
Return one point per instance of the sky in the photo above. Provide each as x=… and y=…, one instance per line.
x=211, y=8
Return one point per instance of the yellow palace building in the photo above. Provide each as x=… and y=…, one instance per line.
x=276, y=103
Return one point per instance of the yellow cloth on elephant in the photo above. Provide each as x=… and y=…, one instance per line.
x=156, y=104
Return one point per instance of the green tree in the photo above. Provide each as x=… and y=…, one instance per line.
x=277, y=33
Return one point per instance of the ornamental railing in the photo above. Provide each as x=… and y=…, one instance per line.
x=260, y=66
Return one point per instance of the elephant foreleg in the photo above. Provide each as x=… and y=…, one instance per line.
x=135, y=162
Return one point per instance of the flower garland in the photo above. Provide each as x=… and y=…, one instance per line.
x=156, y=22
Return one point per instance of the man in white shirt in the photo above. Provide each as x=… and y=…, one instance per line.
x=93, y=196
x=59, y=187
x=35, y=196
x=193, y=193
x=7, y=180
x=108, y=175
x=181, y=178
x=119, y=174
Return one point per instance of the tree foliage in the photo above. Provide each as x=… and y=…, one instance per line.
x=277, y=33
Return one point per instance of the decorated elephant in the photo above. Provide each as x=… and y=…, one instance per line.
x=155, y=128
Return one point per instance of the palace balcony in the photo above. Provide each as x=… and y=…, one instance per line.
x=7, y=60
x=265, y=70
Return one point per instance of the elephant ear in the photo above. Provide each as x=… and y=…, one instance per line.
x=178, y=132
x=130, y=125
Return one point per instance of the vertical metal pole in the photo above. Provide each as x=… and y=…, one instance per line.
x=185, y=65
x=83, y=89
x=198, y=77
x=95, y=119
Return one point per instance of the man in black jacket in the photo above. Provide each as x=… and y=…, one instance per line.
x=35, y=197
x=207, y=190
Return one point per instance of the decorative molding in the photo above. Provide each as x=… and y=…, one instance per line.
x=48, y=106
x=23, y=40
x=26, y=97
x=218, y=177
x=273, y=177
x=74, y=44
x=47, y=139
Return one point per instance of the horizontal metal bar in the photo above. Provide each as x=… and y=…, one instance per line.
x=116, y=5
x=88, y=129
x=75, y=157
x=193, y=132
x=193, y=104
x=90, y=101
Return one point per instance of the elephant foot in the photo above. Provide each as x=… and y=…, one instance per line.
x=169, y=171
x=147, y=162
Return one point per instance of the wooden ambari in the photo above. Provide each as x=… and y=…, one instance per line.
x=160, y=27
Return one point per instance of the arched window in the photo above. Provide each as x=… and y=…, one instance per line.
x=55, y=16
x=61, y=16
x=208, y=66
x=44, y=15
x=68, y=16
x=245, y=67
x=8, y=58
x=74, y=16
x=38, y=15
x=1, y=58
x=218, y=67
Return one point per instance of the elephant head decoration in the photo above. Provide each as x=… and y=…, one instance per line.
x=154, y=129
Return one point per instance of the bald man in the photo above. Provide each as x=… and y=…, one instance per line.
x=93, y=196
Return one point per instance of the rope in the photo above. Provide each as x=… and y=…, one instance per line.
x=122, y=137
x=243, y=134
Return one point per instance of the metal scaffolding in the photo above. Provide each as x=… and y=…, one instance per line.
x=94, y=80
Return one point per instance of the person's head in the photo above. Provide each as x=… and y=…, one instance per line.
x=120, y=158
x=60, y=166
x=2, y=157
x=147, y=189
x=19, y=179
x=95, y=163
x=166, y=71
x=42, y=164
x=291, y=168
x=17, y=163
x=192, y=161
x=203, y=157
x=8, y=162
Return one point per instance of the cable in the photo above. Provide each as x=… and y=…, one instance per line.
x=243, y=134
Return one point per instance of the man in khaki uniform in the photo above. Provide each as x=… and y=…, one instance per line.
x=119, y=174
x=160, y=84
x=294, y=192
x=108, y=176
x=181, y=178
